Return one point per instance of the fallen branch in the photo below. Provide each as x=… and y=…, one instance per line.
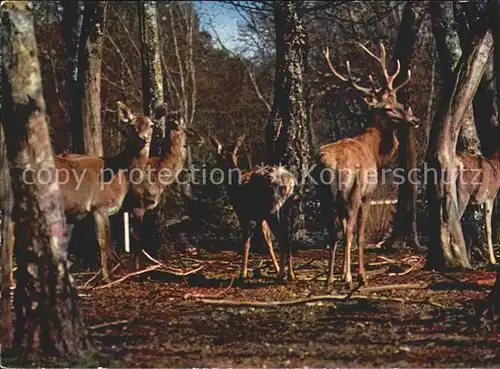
x=171, y=270
x=107, y=325
x=85, y=286
x=391, y=287
x=313, y=299
x=151, y=268
x=181, y=274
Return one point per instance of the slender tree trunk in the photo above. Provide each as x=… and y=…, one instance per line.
x=89, y=74
x=446, y=242
x=152, y=78
x=445, y=30
x=72, y=19
x=6, y=244
x=494, y=9
x=47, y=313
x=405, y=220
x=286, y=133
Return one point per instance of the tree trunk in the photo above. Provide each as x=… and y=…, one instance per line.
x=71, y=25
x=89, y=74
x=446, y=241
x=152, y=78
x=47, y=313
x=6, y=244
x=286, y=132
x=405, y=220
x=449, y=50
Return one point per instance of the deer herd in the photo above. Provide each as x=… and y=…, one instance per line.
x=263, y=197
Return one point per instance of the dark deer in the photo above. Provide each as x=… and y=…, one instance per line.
x=157, y=174
x=261, y=196
x=347, y=171
x=478, y=183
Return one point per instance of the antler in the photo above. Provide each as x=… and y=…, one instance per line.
x=366, y=90
x=383, y=65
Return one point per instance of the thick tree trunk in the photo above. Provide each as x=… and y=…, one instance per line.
x=152, y=78
x=72, y=19
x=405, y=220
x=89, y=75
x=286, y=132
x=47, y=314
x=446, y=242
x=6, y=244
x=449, y=49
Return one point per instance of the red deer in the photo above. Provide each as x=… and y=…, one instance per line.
x=158, y=173
x=347, y=171
x=98, y=185
x=478, y=183
x=263, y=196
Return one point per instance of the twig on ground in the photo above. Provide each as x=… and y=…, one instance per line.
x=181, y=274
x=152, y=259
x=391, y=287
x=109, y=324
x=149, y=269
x=418, y=263
x=171, y=270
x=85, y=286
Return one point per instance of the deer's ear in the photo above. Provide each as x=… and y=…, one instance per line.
x=124, y=113
x=217, y=145
x=160, y=111
x=238, y=143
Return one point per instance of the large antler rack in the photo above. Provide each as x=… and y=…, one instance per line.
x=382, y=61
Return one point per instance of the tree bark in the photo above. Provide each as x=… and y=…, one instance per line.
x=152, y=78
x=445, y=30
x=47, y=313
x=6, y=244
x=71, y=25
x=89, y=74
x=446, y=242
x=286, y=133
x=405, y=220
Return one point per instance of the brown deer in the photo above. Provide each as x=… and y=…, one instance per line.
x=157, y=174
x=347, y=171
x=478, y=183
x=263, y=196
x=98, y=185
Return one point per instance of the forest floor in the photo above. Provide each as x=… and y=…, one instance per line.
x=160, y=320
x=163, y=322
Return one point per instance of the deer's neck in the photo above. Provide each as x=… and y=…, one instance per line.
x=174, y=151
x=382, y=141
x=127, y=158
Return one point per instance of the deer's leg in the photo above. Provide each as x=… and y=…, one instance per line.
x=136, y=228
x=362, y=215
x=488, y=212
x=333, y=249
x=247, y=236
x=351, y=223
x=105, y=242
x=267, y=236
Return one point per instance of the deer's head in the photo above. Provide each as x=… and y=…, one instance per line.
x=227, y=156
x=176, y=131
x=383, y=101
x=140, y=128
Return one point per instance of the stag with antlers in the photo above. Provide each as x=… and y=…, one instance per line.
x=261, y=196
x=347, y=171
